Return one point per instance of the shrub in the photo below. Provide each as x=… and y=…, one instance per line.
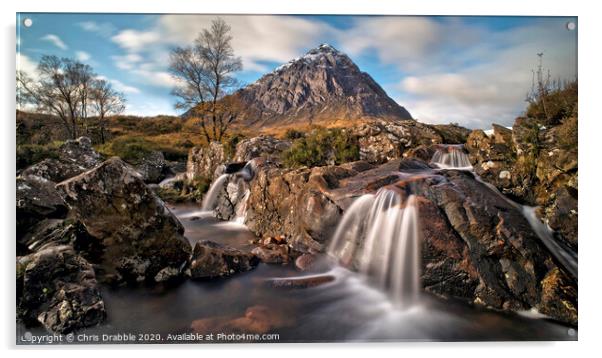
x=322, y=147
x=130, y=149
x=568, y=134
x=292, y=134
x=560, y=102
x=29, y=154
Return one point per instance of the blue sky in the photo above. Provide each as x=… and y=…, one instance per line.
x=471, y=70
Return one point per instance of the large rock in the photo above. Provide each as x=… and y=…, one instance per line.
x=381, y=141
x=139, y=234
x=535, y=165
x=74, y=157
x=80, y=152
x=203, y=161
x=56, y=232
x=262, y=146
x=210, y=260
x=478, y=246
x=153, y=167
x=37, y=199
x=57, y=288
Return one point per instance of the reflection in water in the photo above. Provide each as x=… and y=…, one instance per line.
x=347, y=308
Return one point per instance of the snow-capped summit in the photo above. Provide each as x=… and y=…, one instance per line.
x=322, y=85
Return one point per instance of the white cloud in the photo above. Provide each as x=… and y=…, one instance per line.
x=449, y=70
x=120, y=86
x=134, y=40
x=255, y=38
x=104, y=29
x=491, y=85
x=55, y=40
x=82, y=56
x=26, y=65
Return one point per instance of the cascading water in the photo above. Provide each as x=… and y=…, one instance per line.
x=210, y=200
x=451, y=157
x=379, y=235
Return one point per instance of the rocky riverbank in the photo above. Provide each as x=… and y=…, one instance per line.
x=85, y=221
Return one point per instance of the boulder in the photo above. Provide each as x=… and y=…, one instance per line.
x=479, y=247
x=153, y=167
x=74, y=157
x=203, y=161
x=54, y=170
x=55, y=232
x=57, y=288
x=257, y=319
x=37, y=199
x=210, y=260
x=381, y=141
x=139, y=235
x=272, y=254
x=80, y=152
x=534, y=164
x=262, y=146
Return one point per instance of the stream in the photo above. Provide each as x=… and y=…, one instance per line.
x=346, y=309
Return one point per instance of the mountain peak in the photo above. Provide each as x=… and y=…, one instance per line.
x=322, y=85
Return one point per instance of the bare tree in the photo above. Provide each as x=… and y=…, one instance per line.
x=62, y=89
x=205, y=73
x=105, y=101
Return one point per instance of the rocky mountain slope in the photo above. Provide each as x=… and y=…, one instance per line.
x=322, y=84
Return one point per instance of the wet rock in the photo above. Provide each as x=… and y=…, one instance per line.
x=203, y=161
x=256, y=319
x=37, y=199
x=139, y=235
x=534, y=164
x=58, y=289
x=262, y=146
x=480, y=247
x=559, y=297
x=447, y=265
x=300, y=282
x=421, y=152
x=272, y=254
x=292, y=203
x=409, y=165
x=452, y=133
x=55, y=232
x=210, y=260
x=306, y=262
x=153, y=167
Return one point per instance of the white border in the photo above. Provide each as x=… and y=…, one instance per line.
x=589, y=139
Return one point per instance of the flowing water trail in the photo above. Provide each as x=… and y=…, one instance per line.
x=210, y=200
x=379, y=233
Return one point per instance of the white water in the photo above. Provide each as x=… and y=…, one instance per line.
x=380, y=235
x=565, y=256
x=210, y=200
x=451, y=157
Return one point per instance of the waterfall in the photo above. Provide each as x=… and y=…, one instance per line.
x=564, y=255
x=241, y=208
x=451, y=157
x=210, y=200
x=379, y=234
